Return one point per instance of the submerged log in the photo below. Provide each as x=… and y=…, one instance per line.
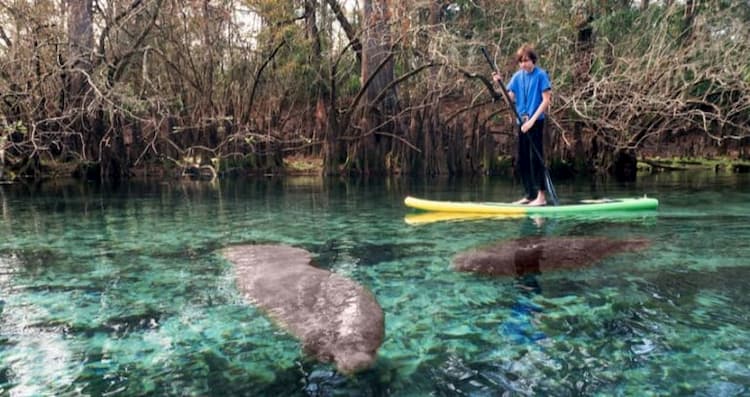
x=336, y=319
x=534, y=255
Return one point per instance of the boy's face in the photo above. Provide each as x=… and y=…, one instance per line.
x=526, y=64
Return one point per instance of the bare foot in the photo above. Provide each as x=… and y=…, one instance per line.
x=522, y=201
x=538, y=203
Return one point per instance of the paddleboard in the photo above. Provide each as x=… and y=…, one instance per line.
x=588, y=206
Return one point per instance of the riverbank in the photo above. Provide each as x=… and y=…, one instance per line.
x=659, y=164
x=313, y=165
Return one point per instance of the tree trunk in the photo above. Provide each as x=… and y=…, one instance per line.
x=320, y=127
x=582, y=55
x=435, y=150
x=624, y=165
x=347, y=27
x=81, y=42
x=76, y=83
x=332, y=152
x=377, y=66
x=689, y=17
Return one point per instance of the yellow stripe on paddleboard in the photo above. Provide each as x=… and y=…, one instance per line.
x=438, y=216
x=464, y=207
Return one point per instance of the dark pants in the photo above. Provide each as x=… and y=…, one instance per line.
x=531, y=165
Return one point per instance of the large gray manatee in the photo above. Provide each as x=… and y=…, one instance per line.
x=335, y=318
x=529, y=255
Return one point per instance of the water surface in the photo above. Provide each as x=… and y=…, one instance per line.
x=121, y=291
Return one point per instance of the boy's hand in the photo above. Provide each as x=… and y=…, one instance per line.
x=527, y=124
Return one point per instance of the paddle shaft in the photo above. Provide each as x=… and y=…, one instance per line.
x=503, y=90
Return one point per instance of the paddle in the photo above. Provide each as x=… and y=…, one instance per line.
x=547, y=179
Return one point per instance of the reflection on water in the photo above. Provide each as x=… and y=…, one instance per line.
x=120, y=290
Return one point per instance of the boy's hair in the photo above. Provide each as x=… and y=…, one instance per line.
x=526, y=51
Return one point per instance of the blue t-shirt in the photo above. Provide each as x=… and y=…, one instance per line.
x=528, y=89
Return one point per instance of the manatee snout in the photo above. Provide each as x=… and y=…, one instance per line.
x=352, y=362
x=357, y=351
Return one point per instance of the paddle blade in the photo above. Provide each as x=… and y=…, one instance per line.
x=551, y=194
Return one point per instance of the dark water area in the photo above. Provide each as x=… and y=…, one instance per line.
x=121, y=290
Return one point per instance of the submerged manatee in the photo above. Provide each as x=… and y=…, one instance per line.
x=529, y=255
x=335, y=318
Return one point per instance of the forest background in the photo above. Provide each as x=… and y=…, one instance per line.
x=110, y=89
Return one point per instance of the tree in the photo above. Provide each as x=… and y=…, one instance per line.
x=380, y=99
x=80, y=46
x=123, y=86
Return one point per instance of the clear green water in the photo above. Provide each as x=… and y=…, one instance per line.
x=121, y=291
